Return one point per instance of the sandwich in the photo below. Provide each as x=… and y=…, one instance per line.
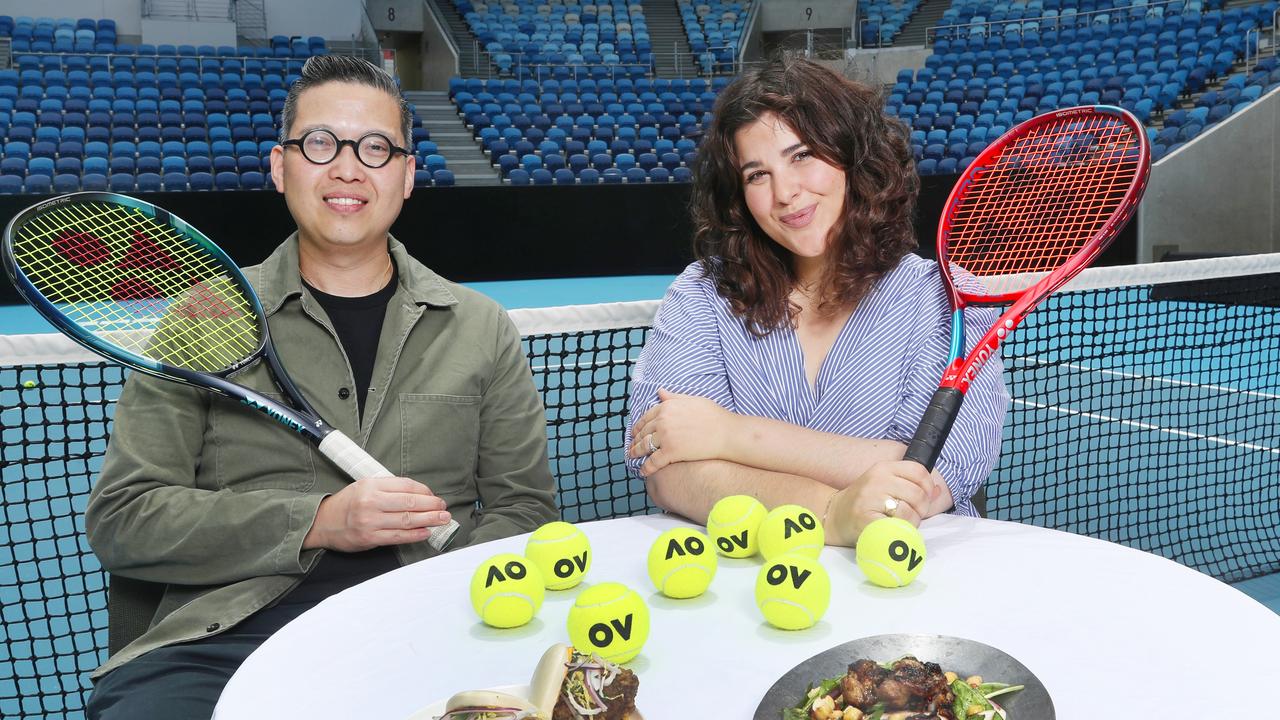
x=490, y=705
x=569, y=685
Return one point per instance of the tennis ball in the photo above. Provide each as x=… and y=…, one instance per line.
x=682, y=563
x=28, y=383
x=890, y=552
x=791, y=529
x=793, y=591
x=506, y=591
x=734, y=525
x=610, y=620
x=561, y=552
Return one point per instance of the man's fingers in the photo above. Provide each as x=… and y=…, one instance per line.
x=404, y=501
x=410, y=520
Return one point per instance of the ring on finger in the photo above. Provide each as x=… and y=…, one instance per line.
x=653, y=448
x=890, y=506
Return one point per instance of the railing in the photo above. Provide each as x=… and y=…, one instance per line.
x=221, y=10
x=443, y=26
x=1253, y=50
x=1047, y=22
x=748, y=27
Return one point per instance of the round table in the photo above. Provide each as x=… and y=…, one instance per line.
x=1111, y=631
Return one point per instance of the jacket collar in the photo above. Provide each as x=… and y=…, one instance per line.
x=278, y=278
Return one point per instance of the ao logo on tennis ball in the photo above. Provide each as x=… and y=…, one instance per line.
x=515, y=571
x=601, y=634
x=899, y=550
x=692, y=546
x=779, y=573
x=565, y=567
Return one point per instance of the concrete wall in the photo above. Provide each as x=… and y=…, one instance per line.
x=126, y=13
x=781, y=15
x=186, y=32
x=1219, y=193
x=439, y=60
x=879, y=66
x=396, y=15
x=330, y=19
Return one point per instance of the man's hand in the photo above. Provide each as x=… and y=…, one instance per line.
x=683, y=428
x=373, y=512
x=913, y=488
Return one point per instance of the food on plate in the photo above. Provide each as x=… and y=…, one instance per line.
x=905, y=689
x=570, y=685
x=490, y=705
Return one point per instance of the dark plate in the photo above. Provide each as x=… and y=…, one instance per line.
x=964, y=657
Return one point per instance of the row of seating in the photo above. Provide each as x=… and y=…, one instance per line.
x=882, y=20
x=594, y=177
x=714, y=31
x=85, y=35
x=126, y=182
x=537, y=39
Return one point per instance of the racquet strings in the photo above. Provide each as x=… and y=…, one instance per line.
x=1042, y=199
x=138, y=284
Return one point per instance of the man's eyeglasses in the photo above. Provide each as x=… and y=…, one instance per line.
x=321, y=146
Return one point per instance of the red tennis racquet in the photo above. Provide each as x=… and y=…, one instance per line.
x=1034, y=209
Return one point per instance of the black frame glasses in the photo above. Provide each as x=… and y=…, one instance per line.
x=356, y=145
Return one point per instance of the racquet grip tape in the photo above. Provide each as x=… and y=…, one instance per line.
x=357, y=463
x=934, y=427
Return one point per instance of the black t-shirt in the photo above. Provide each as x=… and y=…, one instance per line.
x=358, y=322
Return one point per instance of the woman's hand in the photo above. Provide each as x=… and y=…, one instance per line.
x=900, y=488
x=680, y=428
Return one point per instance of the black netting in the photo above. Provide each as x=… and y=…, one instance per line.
x=1145, y=415
x=1150, y=416
x=54, y=421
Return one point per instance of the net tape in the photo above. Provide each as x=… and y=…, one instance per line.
x=1145, y=411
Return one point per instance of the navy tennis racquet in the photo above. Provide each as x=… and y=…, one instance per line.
x=133, y=283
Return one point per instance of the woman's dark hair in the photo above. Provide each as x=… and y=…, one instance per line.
x=843, y=123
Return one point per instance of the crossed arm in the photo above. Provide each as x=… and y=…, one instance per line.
x=706, y=452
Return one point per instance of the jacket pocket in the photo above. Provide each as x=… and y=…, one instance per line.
x=439, y=439
x=254, y=452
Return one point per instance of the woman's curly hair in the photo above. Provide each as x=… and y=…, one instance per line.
x=843, y=123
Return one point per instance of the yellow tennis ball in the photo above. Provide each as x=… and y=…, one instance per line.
x=28, y=383
x=506, y=591
x=734, y=525
x=890, y=552
x=561, y=552
x=610, y=620
x=682, y=563
x=791, y=529
x=793, y=591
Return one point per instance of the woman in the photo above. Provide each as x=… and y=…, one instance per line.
x=795, y=358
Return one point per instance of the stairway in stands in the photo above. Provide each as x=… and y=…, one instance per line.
x=461, y=152
x=472, y=61
x=666, y=35
x=926, y=16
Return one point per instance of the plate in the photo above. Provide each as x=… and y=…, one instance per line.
x=964, y=657
x=436, y=708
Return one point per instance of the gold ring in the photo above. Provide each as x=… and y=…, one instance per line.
x=890, y=506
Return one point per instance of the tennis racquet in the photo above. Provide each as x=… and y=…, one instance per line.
x=133, y=283
x=1033, y=209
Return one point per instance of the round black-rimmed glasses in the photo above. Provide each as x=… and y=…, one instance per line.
x=321, y=146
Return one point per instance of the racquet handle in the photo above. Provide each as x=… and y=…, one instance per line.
x=357, y=463
x=934, y=427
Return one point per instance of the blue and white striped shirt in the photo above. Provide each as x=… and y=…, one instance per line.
x=876, y=381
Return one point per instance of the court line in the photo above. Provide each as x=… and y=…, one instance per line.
x=1157, y=378
x=1147, y=426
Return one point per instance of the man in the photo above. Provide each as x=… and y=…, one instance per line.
x=240, y=520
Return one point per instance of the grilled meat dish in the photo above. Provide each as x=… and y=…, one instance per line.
x=910, y=685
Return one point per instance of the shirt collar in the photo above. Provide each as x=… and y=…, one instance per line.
x=278, y=278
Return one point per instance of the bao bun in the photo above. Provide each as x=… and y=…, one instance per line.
x=548, y=677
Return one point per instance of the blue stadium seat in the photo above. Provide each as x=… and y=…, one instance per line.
x=226, y=181
x=173, y=181
x=200, y=181
x=589, y=176
x=421, y=178
x=252, y=180
x=10, y=184
x=564, y=176
x=518, y=177
x=443, y=177
x=682, y=174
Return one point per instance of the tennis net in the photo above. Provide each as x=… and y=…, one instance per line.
x=1145, y=411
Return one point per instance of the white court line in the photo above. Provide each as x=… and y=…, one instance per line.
x=1147, y=426
x=1158, y=379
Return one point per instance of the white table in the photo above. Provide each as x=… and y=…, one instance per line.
x=1111, y=631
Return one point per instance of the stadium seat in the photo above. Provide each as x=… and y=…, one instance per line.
x=518, y=176
x=443, y=177
x=226, y=181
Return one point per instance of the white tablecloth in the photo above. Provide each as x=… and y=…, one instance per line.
x=1111, y=631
